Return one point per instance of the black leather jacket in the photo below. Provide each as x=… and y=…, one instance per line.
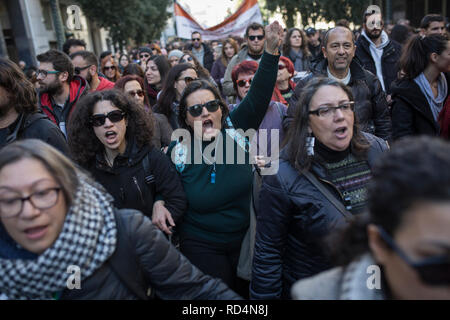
x=293, y=223
x=371, y=106
x=144, y=248
x=389, y=60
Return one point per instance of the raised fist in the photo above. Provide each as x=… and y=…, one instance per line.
x=274, y=37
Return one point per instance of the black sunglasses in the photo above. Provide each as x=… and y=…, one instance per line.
x=433, y=270
x=98, y=120
x=253, y=38
x=188, y=80
x=112, y=68
x=78, y=70
x=187, y=59
x=197, y=109
x=196, y=39
x=144, y=56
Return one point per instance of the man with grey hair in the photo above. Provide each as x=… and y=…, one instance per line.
x=371, y=107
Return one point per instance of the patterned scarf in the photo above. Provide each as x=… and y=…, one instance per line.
x=87, y=240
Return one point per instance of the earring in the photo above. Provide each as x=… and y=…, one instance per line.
x=310, y=140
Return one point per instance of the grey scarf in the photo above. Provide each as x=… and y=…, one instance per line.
x=299, y=63
x=437, y=103
x=87, y=240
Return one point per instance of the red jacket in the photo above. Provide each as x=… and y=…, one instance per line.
x=78, y=88
x=104, y=84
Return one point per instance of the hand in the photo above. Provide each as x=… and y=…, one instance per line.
x=260, y=161
x=274, y=37
x=161, y=216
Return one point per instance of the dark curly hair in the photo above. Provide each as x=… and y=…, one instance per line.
x=21, y=91
x=412, y=172
x=83, y=142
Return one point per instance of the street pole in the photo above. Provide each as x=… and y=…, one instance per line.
x=57, y=21
x=388, y=11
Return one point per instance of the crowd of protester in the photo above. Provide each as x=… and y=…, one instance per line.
x=137, y=166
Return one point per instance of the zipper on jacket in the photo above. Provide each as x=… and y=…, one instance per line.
x=139, y=189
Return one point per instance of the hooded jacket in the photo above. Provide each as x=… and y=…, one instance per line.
x=371, y=106
x=293, y=223
x=78, y=87
x=36, y=126
x=411, y=113
x=125, y=181
x=389, y=60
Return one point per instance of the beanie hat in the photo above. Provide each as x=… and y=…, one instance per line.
x=177, y=53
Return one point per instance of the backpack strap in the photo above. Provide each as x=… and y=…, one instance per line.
x=149, y=168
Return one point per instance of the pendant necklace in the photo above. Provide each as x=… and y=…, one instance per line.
x=213, y=172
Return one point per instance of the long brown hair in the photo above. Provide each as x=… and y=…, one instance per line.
x=117, y=73
x=234, y=44
x=298, y=132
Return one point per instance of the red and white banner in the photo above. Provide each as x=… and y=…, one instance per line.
x=234, y=25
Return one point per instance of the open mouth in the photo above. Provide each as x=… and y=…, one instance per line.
x=36, y=232
x=207, y=124
x=341, y=131
x=110, y=135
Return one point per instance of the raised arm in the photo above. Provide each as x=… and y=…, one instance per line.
x=252, y=109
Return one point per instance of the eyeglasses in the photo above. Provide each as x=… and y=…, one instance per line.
x=211, y=106
x=242, y=83
x=109, y=68
x=188, y=80
x=346, y=107
x=253, y=38
x=98, y=120
x=79, y=69
x=433, y=270
x=196, y=39
x=132, y=93
x=281, y=66
x=45, y=73
x=187, y=59
x=144, y=56
x=43, y=199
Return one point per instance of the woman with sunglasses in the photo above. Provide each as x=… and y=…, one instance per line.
x=177, y=79
x=111, y=138
x=155, y=73
x=202, y=72
x=321, y=184
x=284, y=89
x=57, y=223
x=135, y=87
x=400, y=250
x=110, y=69
x=217, y=185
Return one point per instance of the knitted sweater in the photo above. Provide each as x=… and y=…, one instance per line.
x=219, y=211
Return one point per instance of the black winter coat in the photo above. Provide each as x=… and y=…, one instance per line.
x=125, y=181
x=411, y=113
x=371, y=106
x=144, y=258
x=35, y=126
x=389, y=60
x=293, y=223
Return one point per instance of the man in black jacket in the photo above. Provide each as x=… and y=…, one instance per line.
x=371, y=106
x=376, y=52
x=201, y=51
x=19, y=114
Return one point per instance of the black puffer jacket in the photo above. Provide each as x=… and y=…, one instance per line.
x=371, y=106
x=411, y=113
x=35, y=126
x=144, y=258
x=294, y=221
x=125, y=181
x=389, y=60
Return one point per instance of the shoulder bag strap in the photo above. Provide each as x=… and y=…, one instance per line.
x=308, y=175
